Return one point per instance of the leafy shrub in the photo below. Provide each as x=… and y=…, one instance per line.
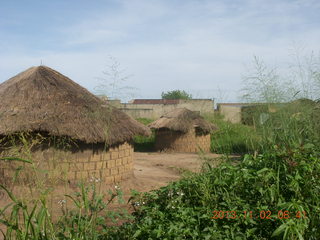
x=276, y=181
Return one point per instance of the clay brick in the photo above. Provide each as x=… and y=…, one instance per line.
x=71, y=175
x=113, y=171
x=90, y=166
x=118, y=162
x=109, y=179
x=114, y=155
x=106, y=156
x=111, y=163
x=63, y=167
x=81, y=175
x=76, y=166
x=121, y=169
x=121, y=154
x=127, y=152
x=95, y=173
x=100, y=165
x=105, y=172
x=117, y=178
x=96, y=158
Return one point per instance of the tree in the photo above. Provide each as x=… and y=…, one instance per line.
x=176, y=94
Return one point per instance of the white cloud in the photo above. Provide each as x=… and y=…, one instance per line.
x=197, y=45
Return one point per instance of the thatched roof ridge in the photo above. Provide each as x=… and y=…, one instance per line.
x=182, y=119
x=41, y=99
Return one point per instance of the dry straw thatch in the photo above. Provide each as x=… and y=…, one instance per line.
x=41, y=99
x=183, y=120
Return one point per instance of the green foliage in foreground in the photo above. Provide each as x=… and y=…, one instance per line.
x=274, y=181
x=279, y=181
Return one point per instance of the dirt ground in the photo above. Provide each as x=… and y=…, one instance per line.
x=154, y=170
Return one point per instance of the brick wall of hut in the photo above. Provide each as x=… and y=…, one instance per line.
x=89, y=164
x=192, y=141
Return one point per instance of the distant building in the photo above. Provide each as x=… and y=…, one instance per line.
x=232, y=112
x=155, y=108
x=182, y=130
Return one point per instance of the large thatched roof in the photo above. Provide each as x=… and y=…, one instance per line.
x=182, y=119
x=41, y=99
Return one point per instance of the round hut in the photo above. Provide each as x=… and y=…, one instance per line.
x=182, y=130
x=67, y=132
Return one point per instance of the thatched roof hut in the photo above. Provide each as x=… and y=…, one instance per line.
x=182, y=120
x=41, y=100
x=182, y=130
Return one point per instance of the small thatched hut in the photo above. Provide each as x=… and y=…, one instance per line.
x=65, y=130
x=182, y=130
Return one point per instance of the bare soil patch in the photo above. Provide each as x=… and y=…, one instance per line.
x=154, y=170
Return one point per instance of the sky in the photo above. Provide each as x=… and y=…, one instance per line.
x=201, y=46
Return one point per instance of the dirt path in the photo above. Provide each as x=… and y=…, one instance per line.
x=154, y=170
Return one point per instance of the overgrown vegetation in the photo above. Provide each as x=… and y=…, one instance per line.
x=84, y=218
x=270, y=195
x=231, y=138
x=141, y=143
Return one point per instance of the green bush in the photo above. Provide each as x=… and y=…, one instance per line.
x=141, y=143
x=231, y=138
x=277, y=181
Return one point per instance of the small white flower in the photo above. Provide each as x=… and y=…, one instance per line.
x=93, y=179
x=182, y=194
x=61, y=202
x=116, y=187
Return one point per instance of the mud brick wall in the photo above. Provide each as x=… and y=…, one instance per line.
x=90, y=164
x=174, y=141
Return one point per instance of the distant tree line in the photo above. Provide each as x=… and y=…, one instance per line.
x=176, y=94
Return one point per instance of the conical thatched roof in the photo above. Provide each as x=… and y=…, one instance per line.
x=182, y=119
x=41, y=99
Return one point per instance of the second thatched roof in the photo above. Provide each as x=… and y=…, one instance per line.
x=41, y=99
x=182, y=119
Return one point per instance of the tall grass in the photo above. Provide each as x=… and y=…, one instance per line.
x=231, y=138
x=86, y=219
x=31, y=214
x=141, y=143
